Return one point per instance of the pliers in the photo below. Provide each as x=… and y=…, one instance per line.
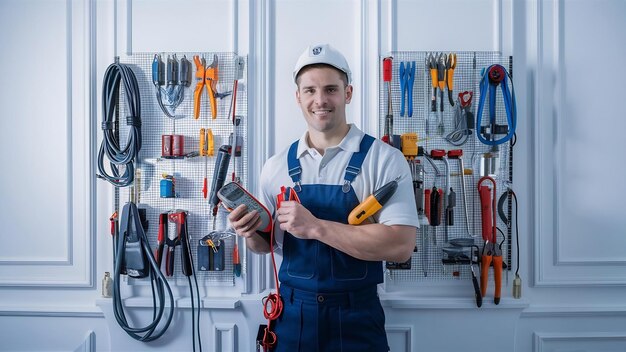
x=450, y=66
x=407, y=78
x=492, y=253
x=441, y=76
x=206, y=76
x=431, y=61
x=172, y=240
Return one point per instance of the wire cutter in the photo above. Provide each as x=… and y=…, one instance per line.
x=492, y=253
x=450, y=66
x=206, y=76
x=407, y=77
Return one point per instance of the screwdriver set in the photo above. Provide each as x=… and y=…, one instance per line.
x=193, y=105
x=452, y=114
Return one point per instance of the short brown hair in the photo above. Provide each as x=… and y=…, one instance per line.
x=344, y=76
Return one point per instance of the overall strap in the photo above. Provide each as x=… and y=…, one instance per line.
x=293, y=164
x=354, y=166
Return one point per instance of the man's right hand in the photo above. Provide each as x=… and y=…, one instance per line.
x=243, y=222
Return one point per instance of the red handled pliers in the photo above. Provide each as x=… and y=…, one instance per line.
x=492, y=253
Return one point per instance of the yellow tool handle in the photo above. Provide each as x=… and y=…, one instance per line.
x=211, y=145
x=442, y=84
x=433, y=77
x=211, y=94
x=364, y=210
x=203, y=150
x=450, y=78
x=210, y=81
x=196, y=99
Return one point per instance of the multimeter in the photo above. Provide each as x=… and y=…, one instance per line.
x=233, y=195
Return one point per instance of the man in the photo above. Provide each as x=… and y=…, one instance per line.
x=330, y=269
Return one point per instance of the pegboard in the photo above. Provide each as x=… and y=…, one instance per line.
x=424, y=122
x=190, y=170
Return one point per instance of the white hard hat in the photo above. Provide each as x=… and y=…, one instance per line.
x=322, y=54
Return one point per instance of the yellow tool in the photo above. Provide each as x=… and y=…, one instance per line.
x=206, y=142
x=450, y=65
x=206, y=76
x=206, y=150
x=409, y=145
x=373, y=203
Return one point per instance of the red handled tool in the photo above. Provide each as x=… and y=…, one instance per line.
x=387, y=73
x=492, y=254
x=161, y=238
x=172, y=240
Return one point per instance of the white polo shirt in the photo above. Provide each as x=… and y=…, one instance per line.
x=382, y=164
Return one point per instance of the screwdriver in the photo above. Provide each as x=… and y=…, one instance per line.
x=373, y=203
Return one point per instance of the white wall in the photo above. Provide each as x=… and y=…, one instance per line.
x=567, y=163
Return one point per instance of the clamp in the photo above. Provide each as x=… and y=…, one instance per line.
x=206, y=76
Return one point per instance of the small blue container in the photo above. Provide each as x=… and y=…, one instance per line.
x=167, y=188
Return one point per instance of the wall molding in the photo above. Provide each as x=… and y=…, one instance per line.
x=225, y=335
x=553, y=267
x=89, y=344
x=541, y=340
x=405, y=332
x=573, y=312
x=76, y=269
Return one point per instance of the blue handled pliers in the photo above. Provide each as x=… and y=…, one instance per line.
x=407, y=77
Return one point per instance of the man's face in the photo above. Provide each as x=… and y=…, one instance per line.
x=322, y=95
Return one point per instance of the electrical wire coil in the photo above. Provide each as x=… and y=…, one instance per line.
x=120, y=157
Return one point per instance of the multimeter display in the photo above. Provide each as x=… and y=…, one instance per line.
x=233, y=195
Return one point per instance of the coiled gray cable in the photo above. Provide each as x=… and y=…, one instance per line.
x=119, y=74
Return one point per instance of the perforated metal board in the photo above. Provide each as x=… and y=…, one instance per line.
x=188, y=172
x=467, y=76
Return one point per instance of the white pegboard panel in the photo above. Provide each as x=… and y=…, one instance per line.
x=189, y=172
x=467, y=76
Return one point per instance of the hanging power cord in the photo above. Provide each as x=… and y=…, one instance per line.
x=115, y=75
x=517, y=282
x=180, y=218
x=134, y=258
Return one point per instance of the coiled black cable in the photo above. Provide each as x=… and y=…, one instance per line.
x=131, y=224
x=119, y=74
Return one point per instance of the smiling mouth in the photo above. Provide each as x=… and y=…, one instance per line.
x=321, y=112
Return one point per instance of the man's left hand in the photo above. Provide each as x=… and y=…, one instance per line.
x=296, y=219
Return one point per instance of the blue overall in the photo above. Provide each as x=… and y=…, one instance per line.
x=330, y=298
